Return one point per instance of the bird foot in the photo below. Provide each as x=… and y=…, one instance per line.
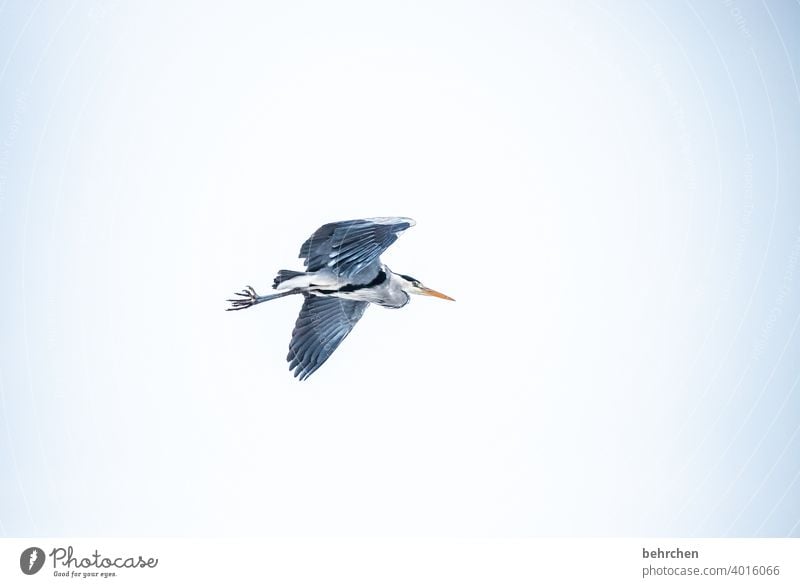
x=248, y=298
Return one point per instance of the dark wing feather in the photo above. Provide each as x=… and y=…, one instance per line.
x=351, y=248
x=322, y=325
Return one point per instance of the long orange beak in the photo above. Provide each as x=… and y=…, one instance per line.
x=426, y=291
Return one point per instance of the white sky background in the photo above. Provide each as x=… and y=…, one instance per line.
x=225, y=145
x=541, y=155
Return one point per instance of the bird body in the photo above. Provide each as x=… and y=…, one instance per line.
x=344, y=275
x=386, y=288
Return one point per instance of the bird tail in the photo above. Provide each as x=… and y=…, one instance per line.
x=285, y=275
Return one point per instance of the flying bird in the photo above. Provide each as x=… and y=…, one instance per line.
x=344, y=275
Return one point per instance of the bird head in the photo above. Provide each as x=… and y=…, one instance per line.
x=413, y=285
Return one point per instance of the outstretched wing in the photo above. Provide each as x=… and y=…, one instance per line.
x=322, y=325
x=350, y=248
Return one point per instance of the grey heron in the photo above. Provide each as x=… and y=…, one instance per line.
x=344, y=275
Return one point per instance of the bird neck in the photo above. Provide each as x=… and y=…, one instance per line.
x=398, y=289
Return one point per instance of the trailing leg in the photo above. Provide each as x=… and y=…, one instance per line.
x=249, y=297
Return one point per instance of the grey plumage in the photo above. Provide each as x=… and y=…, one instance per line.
x=351, y=248
x=284, y=275
x=321, y=327
x=344, y=274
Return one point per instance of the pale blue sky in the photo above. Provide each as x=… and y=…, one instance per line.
x=610, y=195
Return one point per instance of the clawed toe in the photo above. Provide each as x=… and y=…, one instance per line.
x=248, y=298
